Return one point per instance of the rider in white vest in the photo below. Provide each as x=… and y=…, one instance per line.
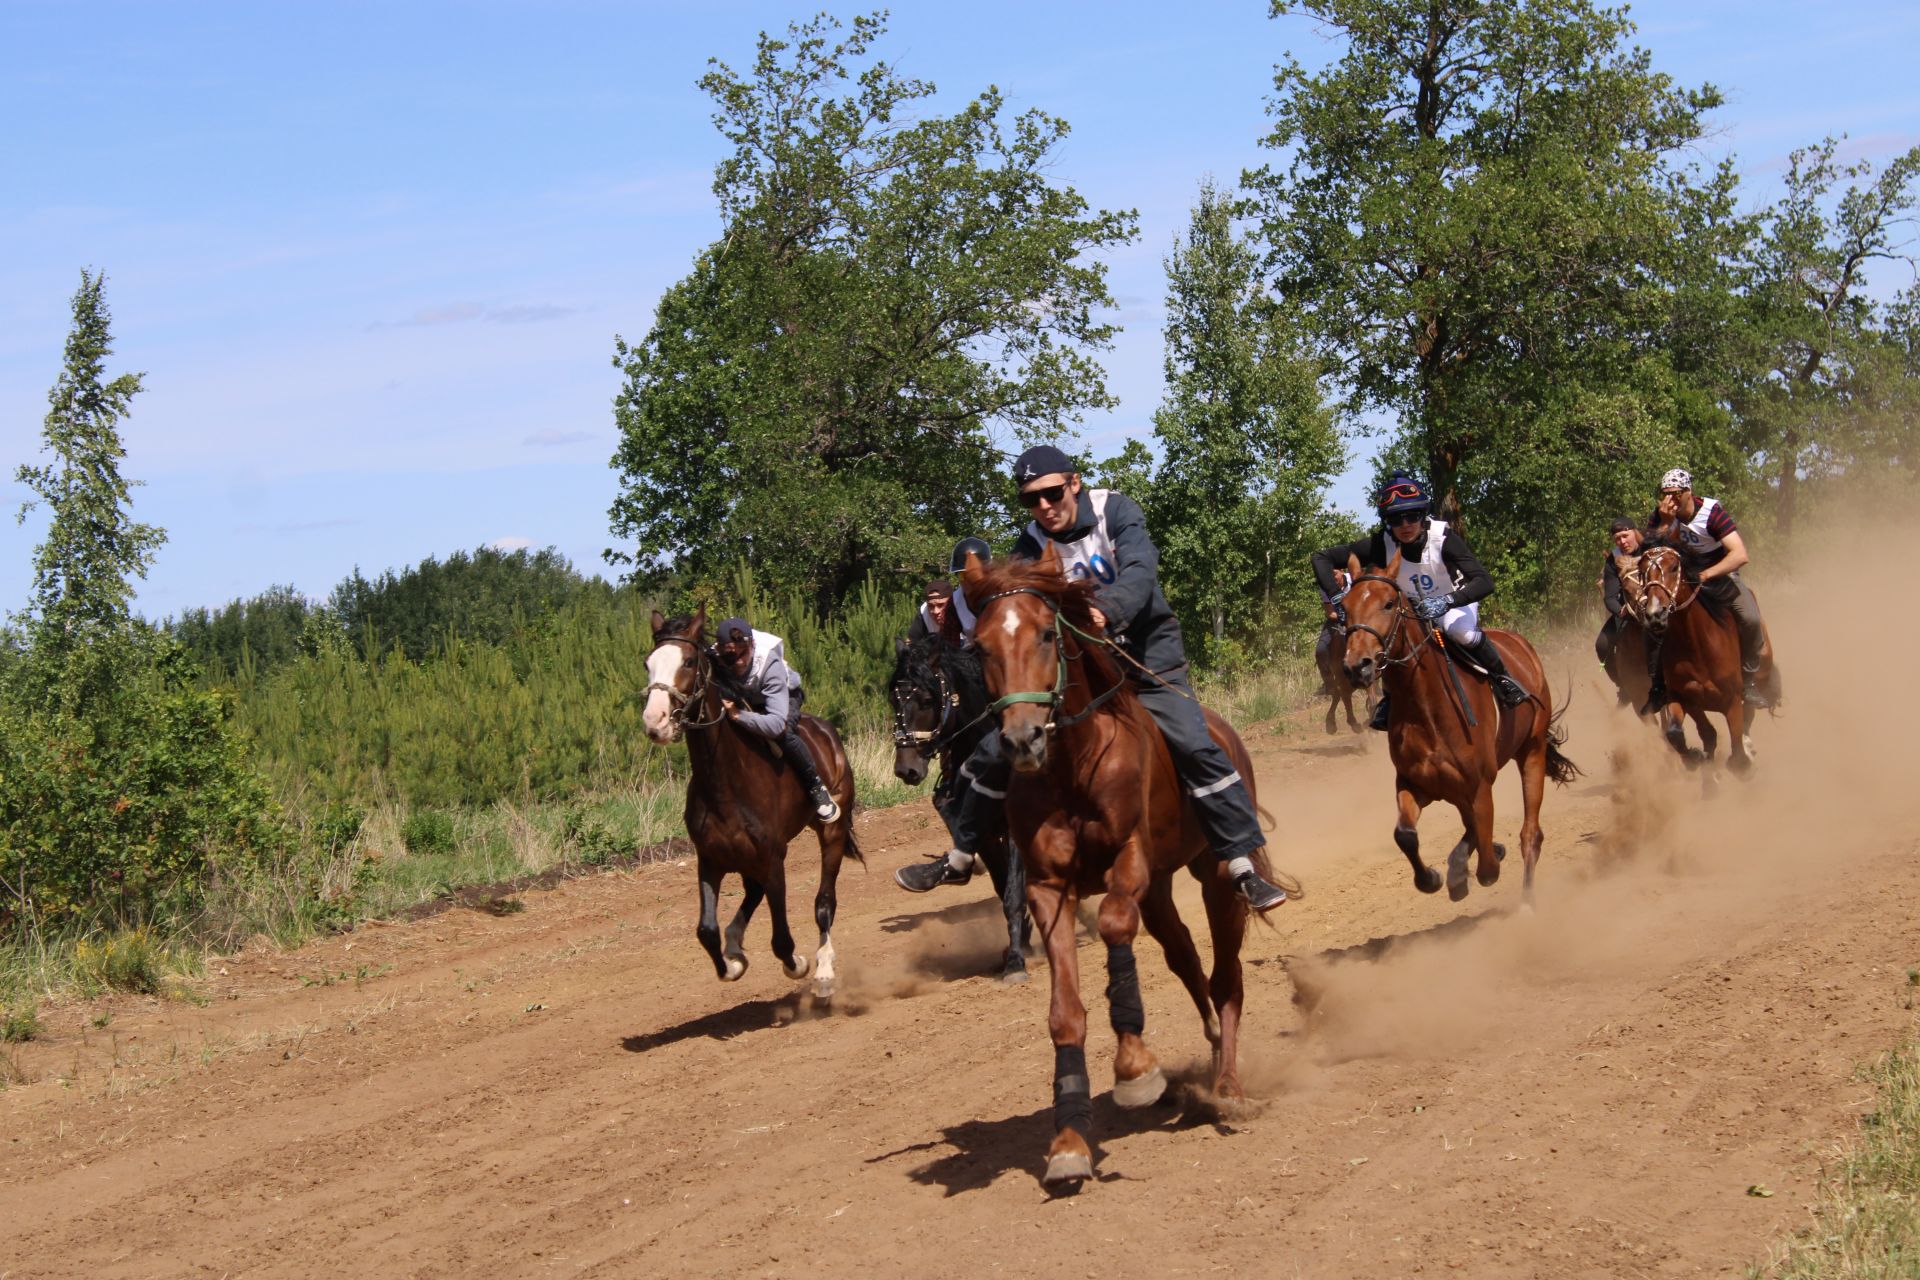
x=762, y=695
x=1102, y=536
x=943, y=611
x=1438, y=571
x=1710, y=540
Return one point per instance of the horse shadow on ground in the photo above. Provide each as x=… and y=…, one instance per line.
x=741, y=1019
x=1307, y=993
x=983, y=1150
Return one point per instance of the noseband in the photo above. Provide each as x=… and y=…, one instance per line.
x=1644, y=587
x=906, y=737
x=683, y=702
x=1401, y=612
x=1052, y=698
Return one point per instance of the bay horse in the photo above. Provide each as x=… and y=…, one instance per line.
x=1331, y=659
x=1095, y=806
x=1699, y=655
x=939, y=712
x=744, y=806
x=1449, y=738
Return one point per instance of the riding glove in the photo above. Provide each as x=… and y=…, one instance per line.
x=1432, y=608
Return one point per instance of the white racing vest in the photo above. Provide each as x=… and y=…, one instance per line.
x=963, y=615
x=1090, y=556
x=1426, y=576
x=1694, y=533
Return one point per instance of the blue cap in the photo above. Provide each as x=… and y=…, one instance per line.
x=733, y=629
x=1041, y=460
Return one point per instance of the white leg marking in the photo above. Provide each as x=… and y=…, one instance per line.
x=823, y=974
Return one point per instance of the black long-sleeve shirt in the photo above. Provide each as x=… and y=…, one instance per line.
x=1373, y=551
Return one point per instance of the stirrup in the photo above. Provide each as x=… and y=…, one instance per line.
x=1508, y=691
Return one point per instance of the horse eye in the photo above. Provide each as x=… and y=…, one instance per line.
x=1048, y=636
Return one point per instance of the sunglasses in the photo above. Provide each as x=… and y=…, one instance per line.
x=1406, y=517
x=1051, y=495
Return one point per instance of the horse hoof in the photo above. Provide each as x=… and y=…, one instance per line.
x=1457, y=889
x=1427, y=880
x=823, y=989
x=800, y=967
x=736, y=969
x=1141, y=1091
x=1486, y=875
x=1015, y=976
x=1067, y=1170
x=1499, y=852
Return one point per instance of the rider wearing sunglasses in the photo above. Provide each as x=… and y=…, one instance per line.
x=1438, y=571
x=762, y=695
x=1102, y=535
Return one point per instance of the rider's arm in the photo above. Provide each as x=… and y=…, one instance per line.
x=1735, y=558
x=1476, y=584
x=1610, y=590
x=1136, y=562
x=774, y=690
x=917, y=631
x=1325, y=563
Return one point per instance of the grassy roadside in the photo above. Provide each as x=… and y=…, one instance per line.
x=1866, y=1223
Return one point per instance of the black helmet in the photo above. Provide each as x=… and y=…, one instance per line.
x=1402, y=493
x=958, y=560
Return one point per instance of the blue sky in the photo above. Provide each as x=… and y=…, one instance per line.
x=372, y=257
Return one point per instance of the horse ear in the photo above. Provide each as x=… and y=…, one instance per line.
x=659, y=624
x=899, y=646
x=1393, y=565
x=972, y=571
x=699, y=627
x=1050, y=557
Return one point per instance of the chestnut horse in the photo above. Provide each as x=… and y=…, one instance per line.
x=1699, y=655
x=1447, y=735
x=1095, y=806
x=744, y=806
x=1331, y=659
x=939, y=710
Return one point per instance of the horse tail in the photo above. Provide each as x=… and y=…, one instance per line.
x=1267, y=821
x=1288, y=884
x=853, y=845
x=1559, y=767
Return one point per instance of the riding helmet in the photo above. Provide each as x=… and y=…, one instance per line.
x=978, y=546
x=1402, y=493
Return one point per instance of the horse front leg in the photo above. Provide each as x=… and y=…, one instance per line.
x=1070, y=1158
x=833, y=851
x=1739, y=742
x=1479, y=820
x=1227, y=921
x=708, y=930
x=1533, y=789
x=1406, y=834
x=734, y=951
x=1137, y=1078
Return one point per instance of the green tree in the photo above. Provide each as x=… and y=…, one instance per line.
x=896, y=295
x=1836, y=384
x=83, y=573
x=1246, y=445
x=484, y=597
x=1488, y=214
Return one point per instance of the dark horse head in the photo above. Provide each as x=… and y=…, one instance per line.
x=937, y=696
x=678, y=675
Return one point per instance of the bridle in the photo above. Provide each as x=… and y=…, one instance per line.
x=1644, y=586
x=683, y=702
x=1053, y=697
x=1402, y=611
x=927, y=741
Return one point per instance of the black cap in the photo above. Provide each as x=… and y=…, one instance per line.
x=733, y=629
x=1621, y=526
x=939, y=589
x=1041, y=460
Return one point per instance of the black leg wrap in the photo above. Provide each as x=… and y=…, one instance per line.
x=1123, y=991
x=1072, y=1095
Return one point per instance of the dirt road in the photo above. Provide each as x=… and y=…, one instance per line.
x=1590, y=1090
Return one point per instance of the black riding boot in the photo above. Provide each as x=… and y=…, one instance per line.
x=1379, y=720
x=795, y=747
x=1505, y=687
x=1656, y=681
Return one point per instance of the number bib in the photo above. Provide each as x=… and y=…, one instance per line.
x=1427, y=575
x=1090, y=556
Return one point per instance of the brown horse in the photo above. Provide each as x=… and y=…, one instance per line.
x=1447, y=735
x=744, y=806
x=1096, y=807
x=1699, y=656
x=1331, y=659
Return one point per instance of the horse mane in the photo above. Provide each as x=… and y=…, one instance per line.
x=677, y=626
x=931, y=655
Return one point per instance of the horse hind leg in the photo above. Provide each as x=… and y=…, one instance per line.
x=708, y=930
x=1009, y=874
x=1406, y=834
x=793, y=962
x=833, y=849
x=1227, y=921
x=1533, y=790
x=1166, y=927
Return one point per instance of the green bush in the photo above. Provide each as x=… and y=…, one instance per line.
x=427, y=832
x=19, y=1024
x=127, y=961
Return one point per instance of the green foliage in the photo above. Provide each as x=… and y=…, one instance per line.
x=1246, y=446
x=19, y=1024
x=427, y=831
x=130, y=960
x=896, y=293
x=266, y=631
x=483, y=597
x=1490, y=219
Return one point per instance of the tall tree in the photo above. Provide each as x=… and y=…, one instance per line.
x=896, y=296
x=83, y=573
x=1246, y=445
x=1835, y=368
x=1488, y=214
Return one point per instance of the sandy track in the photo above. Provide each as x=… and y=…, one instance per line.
x=1586, y=1091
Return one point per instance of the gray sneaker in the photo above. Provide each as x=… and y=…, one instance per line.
x=931, y=875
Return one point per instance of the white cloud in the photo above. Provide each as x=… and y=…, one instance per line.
x=515, y=543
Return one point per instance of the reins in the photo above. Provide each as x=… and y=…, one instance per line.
x=682, y=701
x=1402, y=610
x=1054, y=697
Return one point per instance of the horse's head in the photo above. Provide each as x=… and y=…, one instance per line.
x=1376, y=612
x=1017, y=623
x=677, y=675
x=1652, y=587
x=923, y=705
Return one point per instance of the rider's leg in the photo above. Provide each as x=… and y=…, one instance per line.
x=1219, y=794
x=979, y=797
x=1463, y=625
x=1321, y=647
x=1753, y=637
x=1656, y=679
x=824, y=806
x=1605, y=646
